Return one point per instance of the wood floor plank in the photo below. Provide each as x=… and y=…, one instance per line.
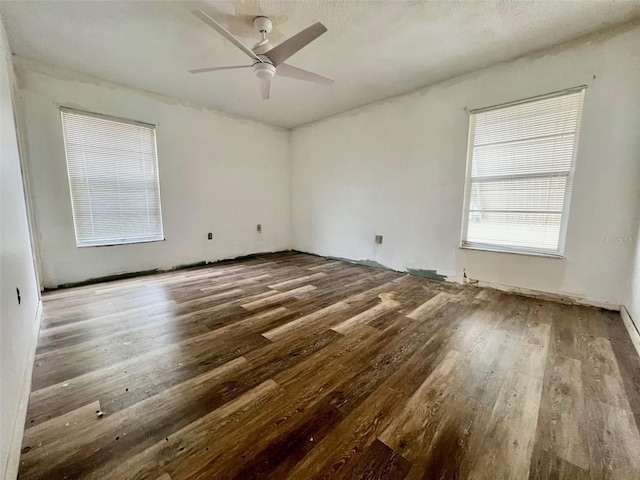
x=177, y=452
x=387, y=304
x=277, y=297
x=379, y=461
x=295, y=282
x=411, y=430
x=125, y=383
x=505, y=445
x=118, y=433
x=430, y=306
x=570, y=429
x=345, y=444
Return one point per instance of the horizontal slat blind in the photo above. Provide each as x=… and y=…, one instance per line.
x=113, y=177
x=521, y=160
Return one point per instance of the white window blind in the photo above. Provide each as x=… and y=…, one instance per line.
x=113, y=177
x=519, y=174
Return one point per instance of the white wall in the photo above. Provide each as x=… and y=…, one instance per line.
x=218, y=173
x=397, y=168
x=19, y=323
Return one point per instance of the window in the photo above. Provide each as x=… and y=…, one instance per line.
x=113, y=177
x=519, y=174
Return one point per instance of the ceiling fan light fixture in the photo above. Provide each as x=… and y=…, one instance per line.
x=264, y=71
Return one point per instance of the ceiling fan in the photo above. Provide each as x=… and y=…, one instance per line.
x=268, y=60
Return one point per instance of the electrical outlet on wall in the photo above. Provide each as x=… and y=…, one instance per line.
x=210, y=236
x=379, y=239
x=259, y=228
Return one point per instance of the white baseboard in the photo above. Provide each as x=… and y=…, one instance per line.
x=631, y=328
x=15, y=441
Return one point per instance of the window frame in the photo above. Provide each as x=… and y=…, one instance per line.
x=566, y=205
x=127, y=121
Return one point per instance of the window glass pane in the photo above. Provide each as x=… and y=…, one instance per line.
x=524, y=230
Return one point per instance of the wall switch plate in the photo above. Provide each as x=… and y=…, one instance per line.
x=210, y=236
x=379, y=239
x=259, y=228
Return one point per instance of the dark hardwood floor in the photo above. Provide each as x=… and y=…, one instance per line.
x=294, y=366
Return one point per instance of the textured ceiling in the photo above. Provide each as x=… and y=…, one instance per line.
x=373, y=49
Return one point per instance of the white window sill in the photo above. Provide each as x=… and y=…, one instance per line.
x=115, y=244
x=515, y=251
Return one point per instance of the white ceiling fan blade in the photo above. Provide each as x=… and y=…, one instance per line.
x=286, y=70
x=213, y=69
x=293, y=44
x=225, y=33
x=265, y=89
